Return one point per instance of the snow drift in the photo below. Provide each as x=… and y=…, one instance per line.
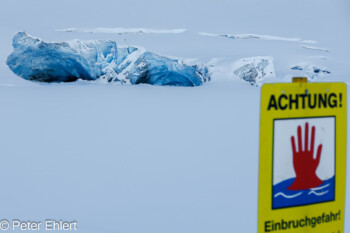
x=36, y=60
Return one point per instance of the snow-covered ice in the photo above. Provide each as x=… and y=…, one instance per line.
x=254, y=69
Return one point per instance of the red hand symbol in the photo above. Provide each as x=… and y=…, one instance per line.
x=304, y=163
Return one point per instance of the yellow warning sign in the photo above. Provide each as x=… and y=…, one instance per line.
x=302, y=157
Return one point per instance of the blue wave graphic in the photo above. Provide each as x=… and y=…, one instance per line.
x=282, y=197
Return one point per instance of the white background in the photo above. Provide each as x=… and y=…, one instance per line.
x=282, y=153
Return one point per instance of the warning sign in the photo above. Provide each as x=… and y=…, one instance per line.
x=302, y=157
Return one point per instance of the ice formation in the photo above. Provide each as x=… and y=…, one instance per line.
x=254, y=69
x=34, y=59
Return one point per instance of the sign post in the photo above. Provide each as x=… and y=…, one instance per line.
x=302, y=157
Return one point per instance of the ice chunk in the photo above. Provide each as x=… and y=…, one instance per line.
x=157, y=70
x=254, y=69
x=137, y=66
x=34, y=59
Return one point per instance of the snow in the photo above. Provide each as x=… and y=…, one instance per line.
x=130, y=158
x=143, y=158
